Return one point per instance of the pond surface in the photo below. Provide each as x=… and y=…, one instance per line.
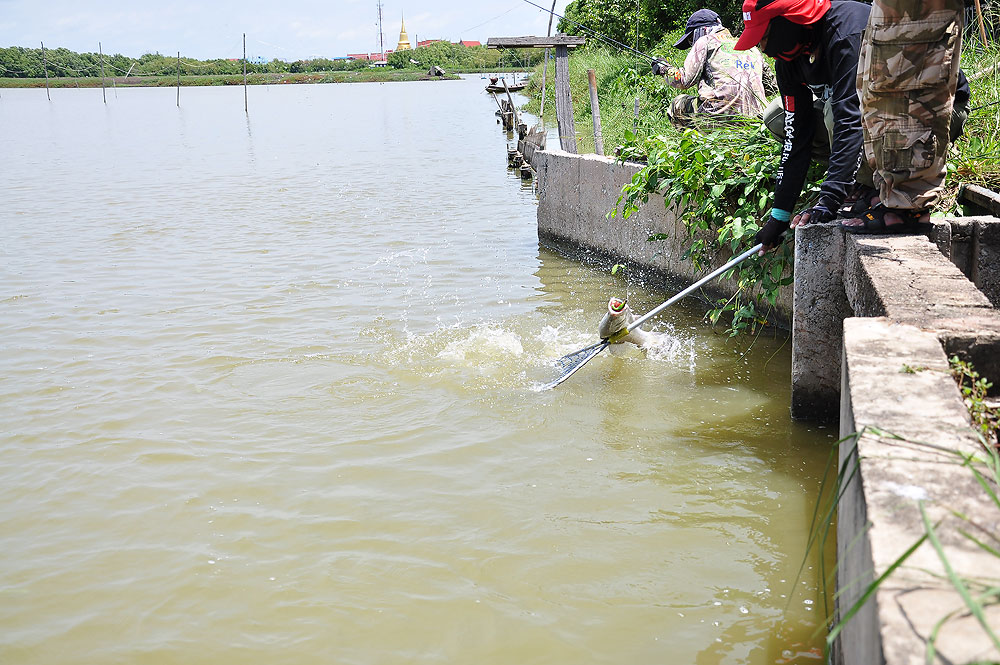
x=268, y=395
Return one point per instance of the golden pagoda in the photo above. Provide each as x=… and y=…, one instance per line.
x=404, y=40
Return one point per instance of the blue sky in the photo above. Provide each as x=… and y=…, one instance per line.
x=290, y=30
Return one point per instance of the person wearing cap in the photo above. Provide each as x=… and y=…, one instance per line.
x=815, y=46
x=729, y=83
x=912, y=99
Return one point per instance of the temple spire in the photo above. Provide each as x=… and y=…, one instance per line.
x=404, y=40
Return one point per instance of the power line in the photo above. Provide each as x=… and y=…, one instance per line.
x=595, y=33
x=490, y=20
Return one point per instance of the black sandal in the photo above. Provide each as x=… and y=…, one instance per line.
x=874, y=221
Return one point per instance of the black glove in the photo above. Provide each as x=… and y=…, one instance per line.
x=770, y=234
x=660, y=66
x=817, y=214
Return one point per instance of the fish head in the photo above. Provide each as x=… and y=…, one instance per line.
x=618, y=316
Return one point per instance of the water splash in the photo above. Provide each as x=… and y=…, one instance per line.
x=483, y=344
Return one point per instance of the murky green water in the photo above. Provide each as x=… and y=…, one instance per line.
x=267, y=396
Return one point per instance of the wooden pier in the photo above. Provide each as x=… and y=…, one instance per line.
x=564, y=102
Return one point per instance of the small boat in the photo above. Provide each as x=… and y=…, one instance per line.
x=499, y=88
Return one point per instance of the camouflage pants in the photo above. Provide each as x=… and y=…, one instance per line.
x=907, y=76
x=687, y=111
x=682, y=110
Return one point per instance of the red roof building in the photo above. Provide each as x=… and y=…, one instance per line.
x=467, y=42
x=368, y=56
x=426, y=42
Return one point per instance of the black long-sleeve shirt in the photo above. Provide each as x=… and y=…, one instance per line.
x=834, y=65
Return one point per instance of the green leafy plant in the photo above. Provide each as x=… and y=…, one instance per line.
x=974, y=389
x=719, y=182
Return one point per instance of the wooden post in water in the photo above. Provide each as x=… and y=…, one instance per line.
x=104, y=92
x=564, y=102
x=45, y=66
x=246, y=105
x=595, y=111
x=178, y=79
x=517, y=119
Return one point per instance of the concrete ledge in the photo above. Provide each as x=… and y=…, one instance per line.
x=896, y=380
x=904, y=278
x=908, y=280
x=979, y=200
x=820, y=307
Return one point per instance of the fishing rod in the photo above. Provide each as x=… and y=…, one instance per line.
x=645, y=56
x=595, y=33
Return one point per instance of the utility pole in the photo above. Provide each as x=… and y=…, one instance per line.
x=103, y=91
x=45, y=65
x=246, y=104
x=381, y=46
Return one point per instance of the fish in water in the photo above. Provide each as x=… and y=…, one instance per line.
x=620, y=316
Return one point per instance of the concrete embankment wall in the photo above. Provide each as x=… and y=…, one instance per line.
x=874, y=320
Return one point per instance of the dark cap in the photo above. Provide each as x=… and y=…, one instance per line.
x=700, y=19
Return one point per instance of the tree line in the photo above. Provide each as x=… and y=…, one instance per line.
x=21, y=62
x=455, y=57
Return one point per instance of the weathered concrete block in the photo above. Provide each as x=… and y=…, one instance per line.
x=558, y=205
x=987, y=246
x=942, y=238
x=963, y=234
x=912, y=435
x=819, y=307
x=906, y=279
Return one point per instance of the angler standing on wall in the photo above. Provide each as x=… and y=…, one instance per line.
x=729, y=83
x=912, y=98
x=815, y=44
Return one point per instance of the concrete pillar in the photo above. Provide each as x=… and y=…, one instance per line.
x=819, y=308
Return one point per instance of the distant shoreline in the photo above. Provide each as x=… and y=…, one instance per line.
x=361, y=76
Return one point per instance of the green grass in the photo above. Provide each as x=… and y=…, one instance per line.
x=621, y=79
x=975, y=157
x=976, y=593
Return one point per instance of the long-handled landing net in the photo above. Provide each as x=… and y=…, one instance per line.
x=570, y=363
